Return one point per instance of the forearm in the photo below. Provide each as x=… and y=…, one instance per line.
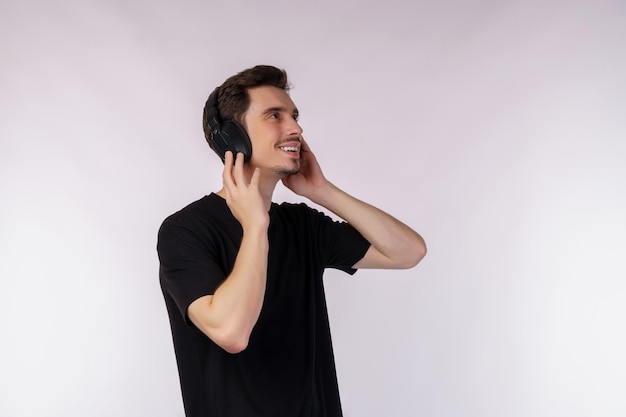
x=230, y=314
x=398, y=245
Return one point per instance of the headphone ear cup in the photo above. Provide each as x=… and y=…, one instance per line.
x=218, y=143
x=224, y=136
x=236, y=139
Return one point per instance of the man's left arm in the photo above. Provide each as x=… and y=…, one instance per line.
x=394, y=245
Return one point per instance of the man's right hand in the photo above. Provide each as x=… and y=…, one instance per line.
x=244, y=199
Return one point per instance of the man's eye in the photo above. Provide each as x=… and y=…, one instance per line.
x=274, y=116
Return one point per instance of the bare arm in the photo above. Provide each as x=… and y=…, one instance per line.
x=228, y=316
x=394, y=245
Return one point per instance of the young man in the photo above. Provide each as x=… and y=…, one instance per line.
x=242, y=276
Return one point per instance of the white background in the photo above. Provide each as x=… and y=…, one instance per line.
x=497, y=129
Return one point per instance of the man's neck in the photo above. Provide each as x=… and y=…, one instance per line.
x=267, y=185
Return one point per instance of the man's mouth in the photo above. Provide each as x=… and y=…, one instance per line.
x=292, y=147
x=289, y=148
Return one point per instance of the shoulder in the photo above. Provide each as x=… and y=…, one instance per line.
x=205, y=209
x=302, y=218
x=295, y=211
x=197, y=221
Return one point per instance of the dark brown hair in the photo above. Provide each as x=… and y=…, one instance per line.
x=232, y=96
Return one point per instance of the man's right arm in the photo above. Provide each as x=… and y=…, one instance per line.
x=228, y=315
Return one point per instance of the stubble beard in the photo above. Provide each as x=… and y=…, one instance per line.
x=284, y=172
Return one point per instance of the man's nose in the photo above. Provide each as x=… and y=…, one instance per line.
x=294, y=128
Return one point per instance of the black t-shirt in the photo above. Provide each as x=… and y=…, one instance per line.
x=288, y=367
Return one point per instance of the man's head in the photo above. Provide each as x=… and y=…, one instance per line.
x=254, y=105
x=230, y=101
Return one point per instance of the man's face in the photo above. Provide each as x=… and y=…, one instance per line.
x=271, y=123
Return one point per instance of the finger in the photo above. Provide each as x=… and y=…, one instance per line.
x=305, y=150
x=254, y=181
x=304, y=145
x=238, y=172
x=229, y=161
x=228, y=158
x=227, y=174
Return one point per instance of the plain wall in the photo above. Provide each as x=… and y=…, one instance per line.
x=497, y=129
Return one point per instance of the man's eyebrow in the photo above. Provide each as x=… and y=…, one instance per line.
x=280, y=109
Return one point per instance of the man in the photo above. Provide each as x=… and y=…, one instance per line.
x=242, y=276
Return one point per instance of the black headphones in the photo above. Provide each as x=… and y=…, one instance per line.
x=227, y=135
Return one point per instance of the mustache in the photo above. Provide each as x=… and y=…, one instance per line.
x=293, y=139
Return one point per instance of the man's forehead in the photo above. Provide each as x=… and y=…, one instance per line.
x=266, y=98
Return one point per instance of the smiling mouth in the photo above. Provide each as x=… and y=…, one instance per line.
x=289, y=148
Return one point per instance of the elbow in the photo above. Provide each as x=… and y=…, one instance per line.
x=417, y=253
x=231, y=341
x=230, y=334
x=235, y=347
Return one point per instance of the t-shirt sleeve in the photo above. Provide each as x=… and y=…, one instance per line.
x=342, y=245
x=187, y=269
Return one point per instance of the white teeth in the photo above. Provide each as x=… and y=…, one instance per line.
x=289, y=148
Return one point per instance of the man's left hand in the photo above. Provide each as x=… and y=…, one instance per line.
x=309, y=180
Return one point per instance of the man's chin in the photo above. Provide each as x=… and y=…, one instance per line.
x=285, y=172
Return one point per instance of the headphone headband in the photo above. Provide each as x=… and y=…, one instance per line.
x=212, y=113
